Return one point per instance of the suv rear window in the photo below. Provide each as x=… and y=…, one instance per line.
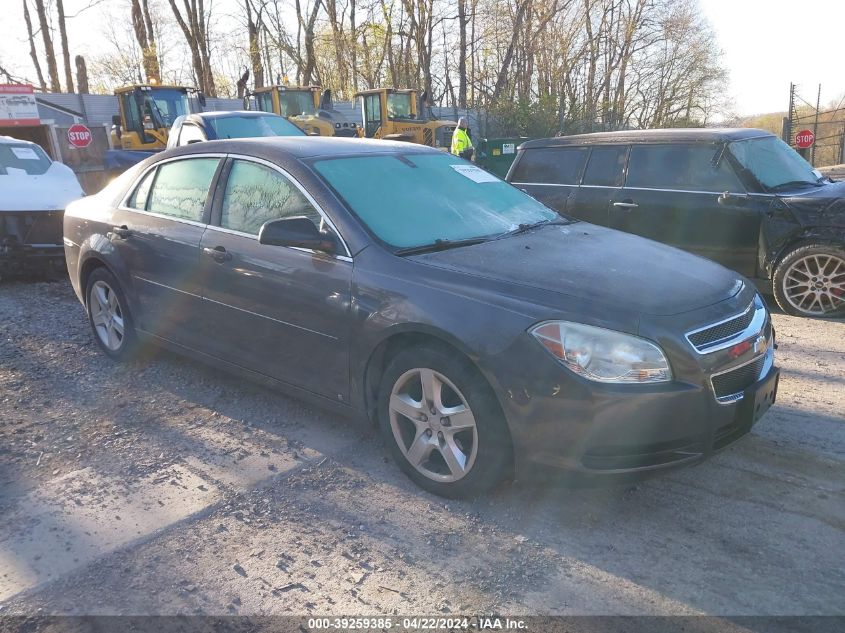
x=606, y=166
x=554, y=166
x=685, y=167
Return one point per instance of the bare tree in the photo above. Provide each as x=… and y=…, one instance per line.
x=194, y=27
x=60, y=9
x=49, y=51
x=32, y=53
x=81, y=74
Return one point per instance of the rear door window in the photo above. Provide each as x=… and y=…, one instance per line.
x=687, y=167
x=181, y=188
x=554, y=166
x=606, y=166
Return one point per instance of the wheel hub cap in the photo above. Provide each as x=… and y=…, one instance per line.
x=106, y=315
x=815, y=284
x=443, y=446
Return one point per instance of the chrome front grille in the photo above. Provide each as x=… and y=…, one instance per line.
x=729, y=386
x=722, y=334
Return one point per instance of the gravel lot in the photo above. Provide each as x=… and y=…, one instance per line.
x=165, y=487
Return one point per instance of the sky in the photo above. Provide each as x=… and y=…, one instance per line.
x=767, y=44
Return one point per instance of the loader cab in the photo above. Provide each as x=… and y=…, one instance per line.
x=146, y=114
x=308, y=107
x=400, y=114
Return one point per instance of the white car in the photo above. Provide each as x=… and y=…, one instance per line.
x=34, y=192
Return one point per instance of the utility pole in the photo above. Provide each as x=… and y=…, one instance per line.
x=787, y=120
x=816, y=127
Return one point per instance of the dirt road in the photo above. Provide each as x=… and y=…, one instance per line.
x=165, y=487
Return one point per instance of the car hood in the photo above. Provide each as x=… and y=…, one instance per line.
x=54, y=189
x=815, y=206
x=596, y=264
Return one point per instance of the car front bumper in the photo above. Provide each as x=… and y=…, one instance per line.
x=28, y=237
x=597, y=433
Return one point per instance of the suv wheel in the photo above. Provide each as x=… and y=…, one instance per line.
x=810, y=281
x=442, y=423
x=109, y=315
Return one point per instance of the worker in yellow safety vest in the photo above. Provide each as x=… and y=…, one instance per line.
x=461, y=143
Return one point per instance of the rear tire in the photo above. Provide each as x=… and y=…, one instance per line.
x=109, y=317
x=810, y=281
x=442, y=423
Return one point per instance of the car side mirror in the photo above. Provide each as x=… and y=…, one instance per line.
x=201, y=99
x=297, y=232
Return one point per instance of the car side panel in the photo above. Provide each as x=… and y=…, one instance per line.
x=283, y=312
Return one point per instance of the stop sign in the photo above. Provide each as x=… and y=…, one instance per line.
x=805, y=139
x=79, y=135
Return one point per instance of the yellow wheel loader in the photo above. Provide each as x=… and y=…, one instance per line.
x=394, y=114
x=146, y=114
x=308, y=107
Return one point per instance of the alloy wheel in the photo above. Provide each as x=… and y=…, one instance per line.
x=107, y=315
x=815, y=284
x=433, y=425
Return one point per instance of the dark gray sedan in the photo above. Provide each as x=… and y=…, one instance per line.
x=481, y=330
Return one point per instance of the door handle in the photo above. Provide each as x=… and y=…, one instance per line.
x=218, y=254
x=121, y=232
x=626, y=205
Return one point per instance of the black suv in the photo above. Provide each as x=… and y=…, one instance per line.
x=741, y=197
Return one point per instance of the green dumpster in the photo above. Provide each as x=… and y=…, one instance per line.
x=496, y=154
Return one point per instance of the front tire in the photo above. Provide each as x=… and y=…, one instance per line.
x=810, y=281
x=442, y=423
x=108, y=315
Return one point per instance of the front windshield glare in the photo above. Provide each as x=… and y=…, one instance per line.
x=423, y=198
x=772, y=162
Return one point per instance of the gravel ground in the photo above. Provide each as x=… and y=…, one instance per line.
x=165, y=487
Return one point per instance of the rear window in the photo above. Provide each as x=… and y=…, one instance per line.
x=252, y=126
x=23, y=156
x=683, y=167
x=555, y=166
x=606, y=166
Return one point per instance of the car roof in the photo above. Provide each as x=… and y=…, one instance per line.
x=8, y=140
x=671, y=135
x=300, y=147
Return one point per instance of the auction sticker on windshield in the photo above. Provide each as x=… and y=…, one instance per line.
x=476, y=174
x=25, y=153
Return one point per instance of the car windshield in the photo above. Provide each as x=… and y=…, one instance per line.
x=424, y=198
x=23, y=156
x=293, y=103
x=772, y=162
x=252, y=126
x=399, y=106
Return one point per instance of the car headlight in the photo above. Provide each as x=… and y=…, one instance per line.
x=603, y=355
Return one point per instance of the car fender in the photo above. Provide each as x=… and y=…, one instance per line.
x=817, y=234
x=100, y=248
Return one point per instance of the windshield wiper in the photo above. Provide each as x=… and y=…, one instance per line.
x=525, y=227
x=795, y=183
x=440, y=245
